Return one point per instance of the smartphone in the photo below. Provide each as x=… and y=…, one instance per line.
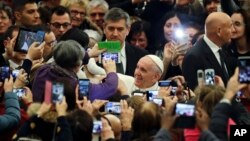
x=158, y=101
x=244, y=69
x=209, y=76
x=26, y=37
x=83, y=88
x=20, y=92
x=181, y=37
x=138, y=94
x=4, y=72
x=151, y=94
x=57, y=92
x=200, y=77
x=173, y=91
x=97, y=127
x=164, y=83
x=113, y=108
x=110, y=56
x=15, y=73
x=185, y=115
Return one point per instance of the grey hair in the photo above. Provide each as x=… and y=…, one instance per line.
x=68, y=54
x=96, y=3
x=116, y=14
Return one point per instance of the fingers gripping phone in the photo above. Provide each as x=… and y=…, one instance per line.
x=26, y=37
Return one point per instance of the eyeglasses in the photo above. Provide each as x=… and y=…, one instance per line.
x=95, y=14
x=58, y=25
x=75, y=12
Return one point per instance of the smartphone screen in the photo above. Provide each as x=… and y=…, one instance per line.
x=164, y=83
x=5, y=72
x=26, y=37
x=244, y=69
x=152, y=94
x=209, y=76
x=19, y=92
x=186, y=110
x=83, y=88
x=185, y=115
x=158, y=101
x=57, y=92
x=97, y=127
x=113, y=107
x=173, y=91
x=15, y=73
x=110, y=56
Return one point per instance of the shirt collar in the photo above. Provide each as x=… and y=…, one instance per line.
x=154, y=87
x=211, y=45
x=123, y=53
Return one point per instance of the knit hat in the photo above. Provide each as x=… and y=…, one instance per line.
x=157, y=61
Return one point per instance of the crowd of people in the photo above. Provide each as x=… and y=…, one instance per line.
x=154, y=89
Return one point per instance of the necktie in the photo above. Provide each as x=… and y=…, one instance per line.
x=223, y=64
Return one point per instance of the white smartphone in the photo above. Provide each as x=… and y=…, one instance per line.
x=200, y=77
x=209, y=76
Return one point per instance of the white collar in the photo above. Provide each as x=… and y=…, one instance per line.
x=123, y=52
x=211, y=45
x=154, y=87
x=14, y=65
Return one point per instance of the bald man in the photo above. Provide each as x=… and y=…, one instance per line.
x=205, y=53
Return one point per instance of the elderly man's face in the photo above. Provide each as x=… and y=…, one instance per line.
x=226, y=31
x=145, y=73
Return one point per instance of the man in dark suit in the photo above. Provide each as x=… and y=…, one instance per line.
x=116, y=28
x=206, y=52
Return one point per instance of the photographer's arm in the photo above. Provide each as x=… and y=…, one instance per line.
x=12, y=115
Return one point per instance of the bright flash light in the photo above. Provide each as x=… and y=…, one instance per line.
x=179, y=33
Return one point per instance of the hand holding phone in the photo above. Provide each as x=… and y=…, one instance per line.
x=26, y=37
